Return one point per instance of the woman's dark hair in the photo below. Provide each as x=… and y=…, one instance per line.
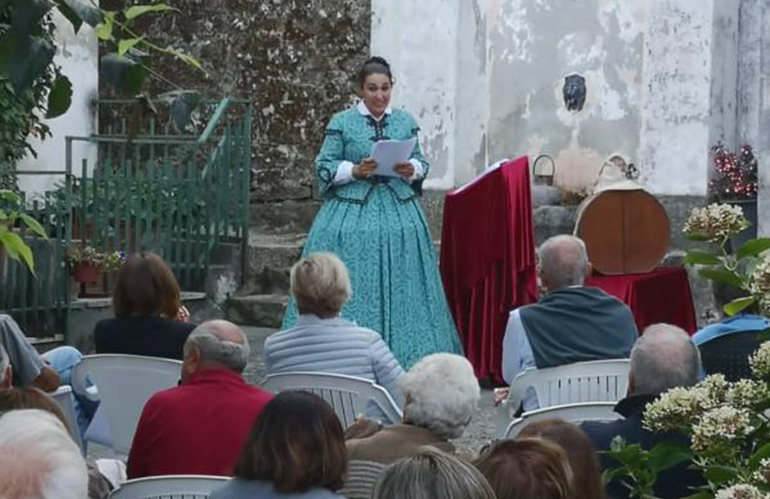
x=526, y=468
x=146, y=286
x=373, y=66
x=581, y=454
x=296, y=443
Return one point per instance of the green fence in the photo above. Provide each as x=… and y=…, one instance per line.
x=141, y=185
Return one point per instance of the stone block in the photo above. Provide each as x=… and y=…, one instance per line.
x=261, y=310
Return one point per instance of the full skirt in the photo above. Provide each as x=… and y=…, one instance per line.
x=396, y=287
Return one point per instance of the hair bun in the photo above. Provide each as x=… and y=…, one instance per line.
x=375, y=59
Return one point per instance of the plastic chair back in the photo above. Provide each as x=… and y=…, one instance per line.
x=66, y=400
x=124, y=383
x=572, y=413
x=729, y=354
x=348, y=395
x=169, y=487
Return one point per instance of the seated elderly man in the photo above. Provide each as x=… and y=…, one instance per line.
x=441, y=393
x=572, y=323
x=38, y=459
x=321, y=341
x=200, y=426
x=664, y=357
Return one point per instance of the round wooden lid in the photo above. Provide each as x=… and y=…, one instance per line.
x=626, y=232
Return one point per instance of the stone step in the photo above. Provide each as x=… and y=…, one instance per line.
x=269, y=258
x=257, y=310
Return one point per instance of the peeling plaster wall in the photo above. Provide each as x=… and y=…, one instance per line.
x=661, y=83
x=78, y=57
x=419, y=39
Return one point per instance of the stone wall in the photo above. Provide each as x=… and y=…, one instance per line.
x=293, y=58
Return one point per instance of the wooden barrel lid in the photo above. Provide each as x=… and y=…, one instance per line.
x=626, y=232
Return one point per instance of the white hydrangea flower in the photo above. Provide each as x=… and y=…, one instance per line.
x=746, y=393
x=719, y=427
x=762, y=475
x=740, y=491
x=760, y=361
x=676, y=408
x=760, y=278
x=715, y=222
x=716, y=387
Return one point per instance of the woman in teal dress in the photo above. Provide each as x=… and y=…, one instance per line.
x=376, y=226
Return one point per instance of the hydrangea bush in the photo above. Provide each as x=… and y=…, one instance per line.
x=728, y=424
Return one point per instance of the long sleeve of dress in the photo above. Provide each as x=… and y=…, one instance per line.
x=417, y=153
x=330, y=156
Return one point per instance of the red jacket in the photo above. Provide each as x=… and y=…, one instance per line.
x=196, y=428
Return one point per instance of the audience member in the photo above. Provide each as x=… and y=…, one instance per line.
x=295, y=449
x=572, y=323
x=664, y=357
x=580, y=451
x=33, y=398
x=199, y=427
x=38, y=458
x=527, y=468
x=432, y=474
x=149, y=317
x=441, y=393
x=47, y=371
x=746, y=321
x=321, y=341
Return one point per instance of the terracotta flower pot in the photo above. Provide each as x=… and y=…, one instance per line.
x=87, y=272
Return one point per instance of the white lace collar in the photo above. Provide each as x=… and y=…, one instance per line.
x=364, y=111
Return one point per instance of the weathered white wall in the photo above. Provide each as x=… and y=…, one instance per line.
x=418, y=39
x=485, y=78
x=78, y=57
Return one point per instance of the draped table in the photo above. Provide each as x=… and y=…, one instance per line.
x=662, y=295
x=488, y=260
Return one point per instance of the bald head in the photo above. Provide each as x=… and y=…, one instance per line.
x=664, y=357
x=219, y=344
x=563, y=262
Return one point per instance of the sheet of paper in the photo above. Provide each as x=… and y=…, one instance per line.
x=388, y=153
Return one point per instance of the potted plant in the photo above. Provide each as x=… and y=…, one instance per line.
x=735, y=183
x=728, y=423
x=89, y=265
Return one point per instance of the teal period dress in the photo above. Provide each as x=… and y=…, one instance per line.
x=376, y=226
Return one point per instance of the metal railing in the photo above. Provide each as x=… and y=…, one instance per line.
x=152, y=188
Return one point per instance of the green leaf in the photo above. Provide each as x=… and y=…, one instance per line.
x=719, y=475
x=190, y=60
x=27, y=14
x=59, y=98
x=722, y=275
x=701, y=258
x=9, y=196
x=137, y=10
x=126, y=45
x=665, y=456
x=78, y=13
x=16, y=248
x=759, y=455
x=33, y=225
x=104, y=29
x=23, y=58
x=183, y=103
x=753, y=247
x=697, y=237
x=123, y=73
x=738, y=305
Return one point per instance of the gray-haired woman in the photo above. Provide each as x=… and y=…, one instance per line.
x=432, y=474
x=321, y=341
x=441, y=393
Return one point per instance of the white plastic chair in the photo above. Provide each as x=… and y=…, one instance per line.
x=66, y=400
x=169, y=487
x=124, y=383
x=593, y=381
x=349, y=396
x=572, y=413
